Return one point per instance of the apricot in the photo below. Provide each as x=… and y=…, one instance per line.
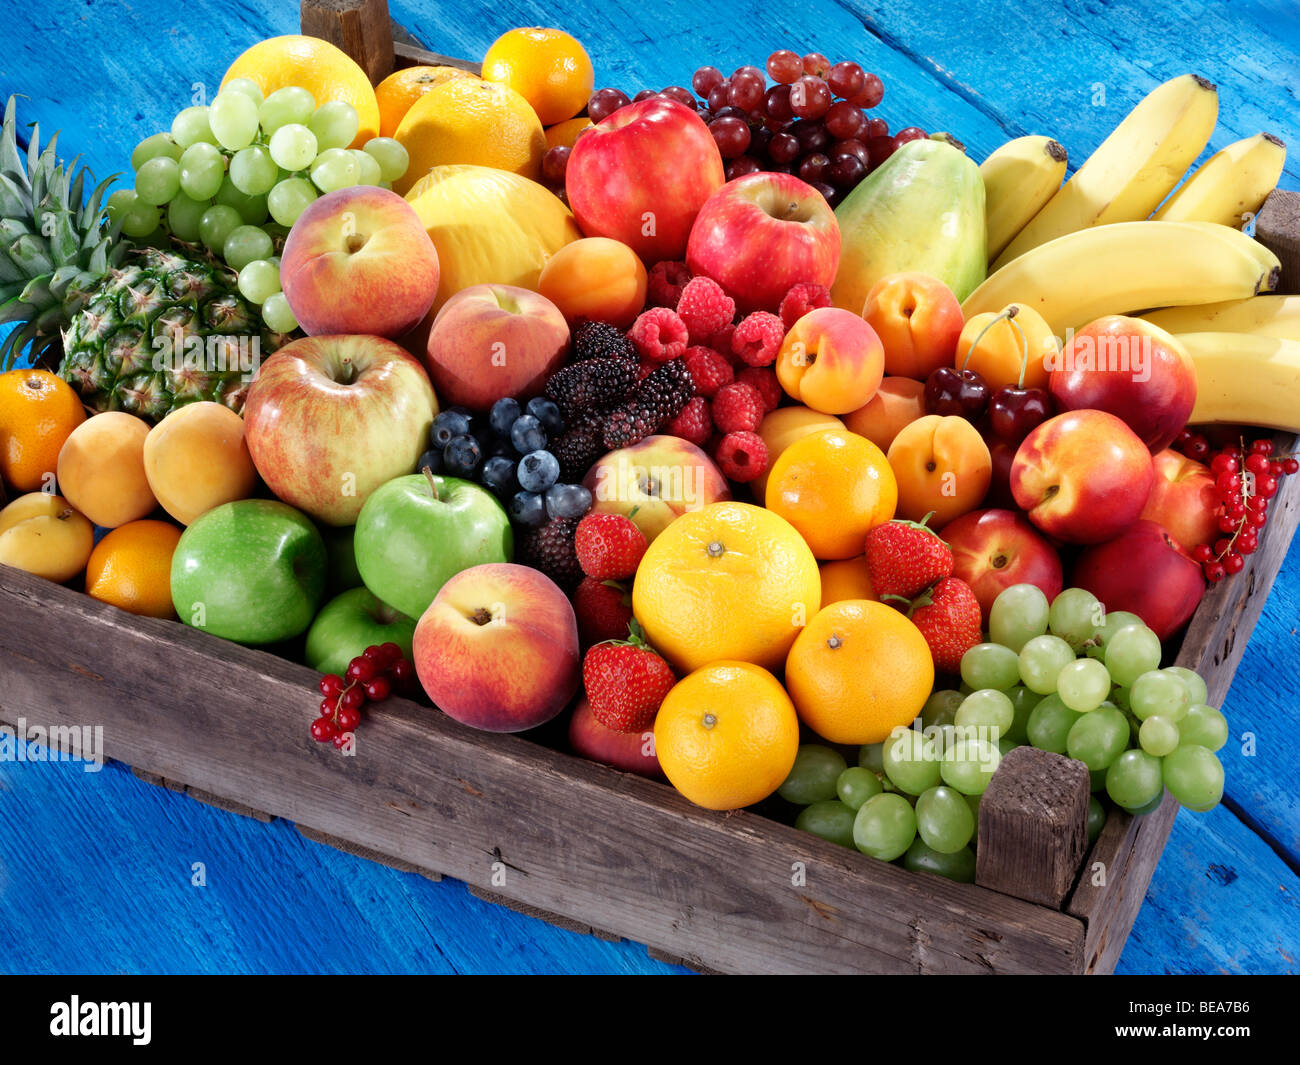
x=918, y=320
x=1000, y=352
x=781, y=428
x=596, y=278
x=196, y=459
x=942, y=464
x=831, y=360
x=898, y=402
x=101, y=469
x=43, y=535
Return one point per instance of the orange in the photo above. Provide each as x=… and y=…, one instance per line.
x=327, y=72
x=857, y=671
x=730, y=580
x=38, y=412
x=833, y=486
x=548, y=68
x=397, y=92
x=846, y=579
x=131, y=568
x=727, y=735
x=565, y=134
x=469, y=121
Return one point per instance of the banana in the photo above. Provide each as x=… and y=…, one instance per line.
x=1265, y=316
x=1133, y=170
x=1019, y=178
x=1242, y=379
x=1127, y=267
x=1230, y=187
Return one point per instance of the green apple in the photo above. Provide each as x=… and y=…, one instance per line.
x=342, y=573
x=417, y=532
x=252, y=571
x=351, y=622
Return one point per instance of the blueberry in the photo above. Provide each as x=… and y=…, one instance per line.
x=547, y=413
x=448, y=424
x=462, y=455
x=538, y=470
x=527, y=434
x=527, y=508
x=501, y=446
x=431, y=459
x=567, y=501
x=499, y=475
x=503, y=415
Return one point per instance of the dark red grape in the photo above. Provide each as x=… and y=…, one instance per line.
x=846, y=171
x=815, y=168
x=816, y=64
x=784, y=148
x=812, y=136
x=732, y=112
x=829, y=192
x=846, y=79
x=717, y=98
x=759, y=139
x=911, y=133
x=854, y=148
x=844, y=121
x=881, y=148
x=746, y=90
x=784, y=66
x=681, y=94
x=644, y=94
x=777, y=103
x=749, y=70
x=604, y=102
x=731, y=136
x=876, y=127
x=872, y=93
x=742, y=165
x=705, y=79
x=810, y=97
x=554, y=163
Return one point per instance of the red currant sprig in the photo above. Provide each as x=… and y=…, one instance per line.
x=370, y=677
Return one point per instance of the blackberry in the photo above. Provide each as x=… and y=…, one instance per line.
x=600, y=340
x=550, y=548
x=652, y=404
x=595, y=384
x=578, y=449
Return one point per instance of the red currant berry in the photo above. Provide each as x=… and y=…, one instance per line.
x=402, y=672
x=323, y=729
x=331, y=684
x=1290, y=466
x=371, y=653
x=361, y=669
x=1198, y=448
x=378, y=689
x=1257, y=463
x=348, y=719
x=1247, y=542
x=1229, y=485
x=328, y=705
x=352, y=698
x=1233, y=562
x=1256, y=503
x=342, y=740
x=1221, y=547
x=1202, y=553
x=1262, y=447
x=1236, y=510
x=1225, y=462
x=1214, y=572
x=1183, y=438
x=1266, y=486
x=1256, y=519
x=1227, y=524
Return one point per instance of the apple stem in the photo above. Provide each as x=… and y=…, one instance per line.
x=433, y=483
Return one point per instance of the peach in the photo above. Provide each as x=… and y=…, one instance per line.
x=897, y=403
x=831, y=361
x=781, y=428
x=1183, y=499
x=942, y=465
x=101, y=469
x=918, y=320
x=359, y=261
x=498, y=648
x=846, y=579
x=992, y=346
x=41, y=534
x=196, y=459
x=632, y=751
x=490, y=341
x=597, y=278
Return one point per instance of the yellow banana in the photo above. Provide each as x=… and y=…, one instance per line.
x=1230, y=186
x=1242, y=379
x=1127, y=267
x=1266, y=316
x=1133, y=170
x=1019, y=178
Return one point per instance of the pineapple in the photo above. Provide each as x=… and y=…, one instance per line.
x=141, y=329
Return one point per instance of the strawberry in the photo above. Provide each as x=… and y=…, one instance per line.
x=604, y=609
x=904, y=558
x=609, y=546
x=626, y=680
x=948, y=616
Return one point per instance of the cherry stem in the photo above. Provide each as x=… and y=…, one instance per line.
x=1024, y=346
x=1008, y=314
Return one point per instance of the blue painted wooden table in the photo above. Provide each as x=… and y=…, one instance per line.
x=97, y=870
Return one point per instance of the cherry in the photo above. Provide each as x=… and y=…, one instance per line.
x=950, y=391
x=1014, y=412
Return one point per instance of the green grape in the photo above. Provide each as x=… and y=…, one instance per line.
x=1096, y=780
x=990, y=665
x=944, y=820
x=335, y=169
x=277, y=314
x=1203, y=726
x=391, y=156
x=191, y=127
x=969, y=764
x=367, y=168
x=184, y=215
x=830, y=819
x=856, y=785
x=1083, y=685
x=870, y=757
x=1195, y=684
x=1149, y=808
x=973, y=801
x=1097, y=739
x=1194, y=776
x=247, y=86
x=335, y=124
x=1050, y=723
x=910, y=761
x=1041, y=661
x=245, y=244
x=159, y=146
x=233, y=118
x=284, y=107
x=1119, y=697
x=987, y=708
x=1158, y=692
x=1130, y=652
x=923, y=859
x=812, y=777
x=118, y=204
x=293, y=147
x=253, y=172
x=1076, y=615
x=1096, y=818
x=217, y=223
x=387, y=185
x=140, y=219
x=941, y=708
x=158, y=180
x=1158, y=735
x=252, y=209
x=1134, y=779
x=259, y=279
x=884, y=827
x=1023, y=702
x=202, y=170
x=1115, y=620
x=289, y=199
x=1018, y=614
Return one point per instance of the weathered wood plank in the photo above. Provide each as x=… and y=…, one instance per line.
x=1278, y=227
x=359, y=27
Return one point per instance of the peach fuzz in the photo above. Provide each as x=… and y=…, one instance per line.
x=781, y=428
x=897, y=403
x=918, y=320
x=42, y=535
x=596, y=278
x=992, y=346
x=942, y=465
x=831, y=361
x=101, y=469
x=196, y=459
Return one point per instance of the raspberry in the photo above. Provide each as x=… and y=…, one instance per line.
x=742, y=456
x=694, y=423
x=738, y=408
x=664, y=284
x=659, y=335
x=800, y=300
x=705, y=308
x=709, y=370
x=764, y=380
x=757, y=340
x=721, y=340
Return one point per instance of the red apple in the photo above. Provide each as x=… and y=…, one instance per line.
x=329, y=419
x=994, y=549
x=1083, y=477
x=642, y=175
x=490, y=341
x=632, y=751
x=358, y=260
x=1146, y=572
x=760, y=235
x=498, y=648
x=1183, y=499
x=1131, y=369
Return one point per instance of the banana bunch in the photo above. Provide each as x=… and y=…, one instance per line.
x=1230, y=187
x=1019, y=178
x=1245, y=379
x=1266, y=316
